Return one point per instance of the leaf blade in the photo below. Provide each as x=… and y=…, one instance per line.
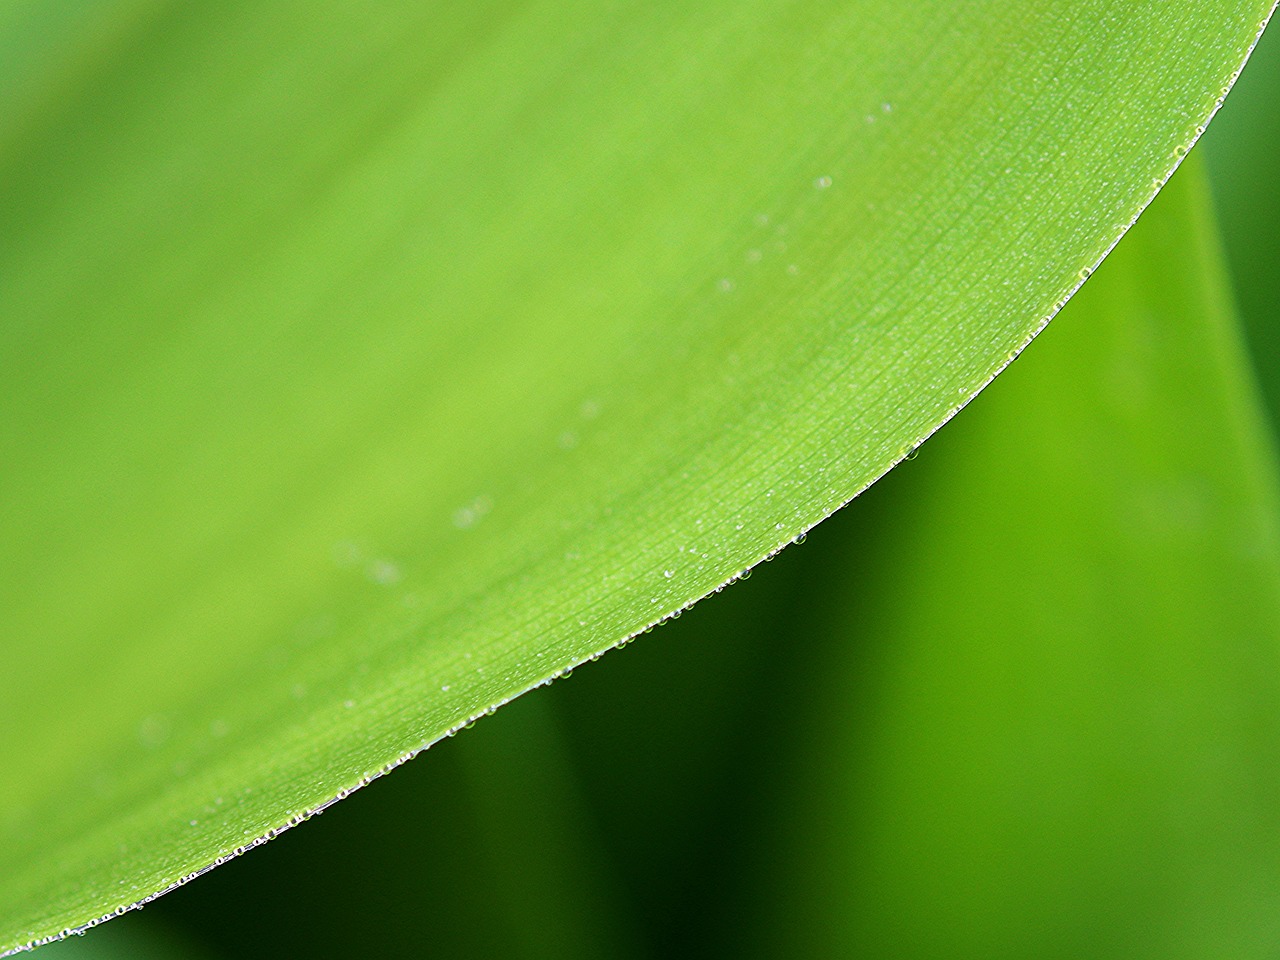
x=342, y=404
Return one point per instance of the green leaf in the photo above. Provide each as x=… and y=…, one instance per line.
x=1065, y=737
x=1241, y=153
x=359, y=373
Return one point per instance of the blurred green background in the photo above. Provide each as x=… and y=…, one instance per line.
x=848, y=754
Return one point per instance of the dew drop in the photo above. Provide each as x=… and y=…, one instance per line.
x=468, y=516
x=725, y=285
x=668, y=574
x=346, y=554
x=154, y=730
x=383, y=572
x=822, y=183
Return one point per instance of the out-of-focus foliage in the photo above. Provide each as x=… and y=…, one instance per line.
x=1096, y=773
x=1241, y=150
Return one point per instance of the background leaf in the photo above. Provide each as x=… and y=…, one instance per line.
x=1240, y=153
x=343, y=404
x=1063, y=739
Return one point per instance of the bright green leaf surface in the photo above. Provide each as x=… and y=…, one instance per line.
x=360, y=372
x=1065, y=738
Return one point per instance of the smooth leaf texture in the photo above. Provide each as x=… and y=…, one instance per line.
x=1095, y=774
x=625, y=813
x=361, y=372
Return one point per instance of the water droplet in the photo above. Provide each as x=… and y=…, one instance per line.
x=383, y=572
x=753, y=256
x=886, y=107
x=567, y=440
x=762, y=219
x=1085, y=273
x=668, y=574
x=745, y=574
x=589, y=410
x=472, y=513
x=154, y=730
x=444, y=688
x=822, y=183
x=676, y=615
x=346, y=554
x=802, y=538
x=725, y=285
x=792, y=269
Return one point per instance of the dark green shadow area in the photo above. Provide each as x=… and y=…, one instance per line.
x=1241, y=149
